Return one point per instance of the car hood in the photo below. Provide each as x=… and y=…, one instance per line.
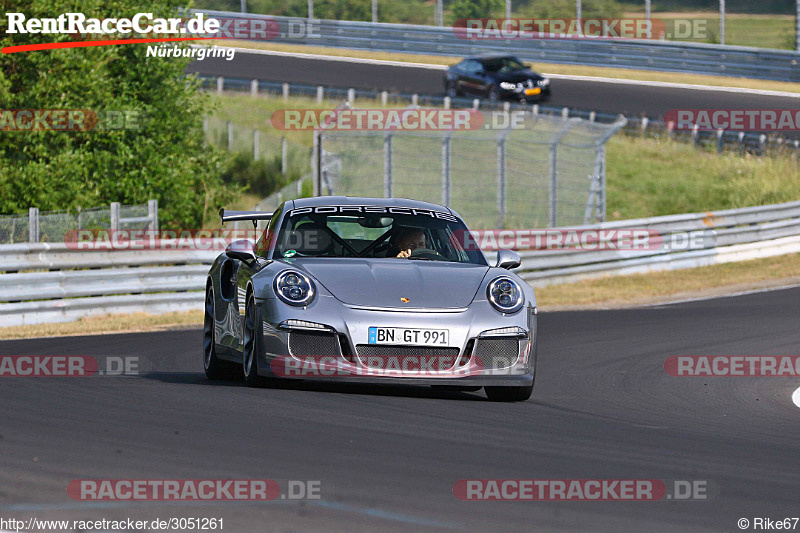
x=383, y=282
x=517, y=76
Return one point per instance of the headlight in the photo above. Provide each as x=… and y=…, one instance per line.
x=505, y=294
x=508, y=86
x=544, y=82
x=294, y=288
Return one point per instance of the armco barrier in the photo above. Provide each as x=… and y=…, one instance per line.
x=50, y=282
x=701, y=58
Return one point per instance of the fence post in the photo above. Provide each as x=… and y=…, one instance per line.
x=205, y=131
x=316, y=159
x=33, y=224
x=501, y=181
x=230, y=136
x=387, y=165
x=115, y=216
x=284, y=163
x=721, y=21
x=553, y=184
x=253, y=86
x=220, y=84
x=255, y=145
x=446, y=164
x=152, y=212
x=244, y=6
x=320, y=93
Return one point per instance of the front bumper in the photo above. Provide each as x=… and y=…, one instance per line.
x=343, y=352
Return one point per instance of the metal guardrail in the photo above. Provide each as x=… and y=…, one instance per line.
x=724, y=236
x=53, y=282
x=780, y=65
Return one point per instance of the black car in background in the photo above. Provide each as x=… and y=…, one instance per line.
x=496, y=77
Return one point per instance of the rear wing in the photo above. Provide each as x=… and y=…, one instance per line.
x=226, y=215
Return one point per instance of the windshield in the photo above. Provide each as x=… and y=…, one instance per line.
x=502, y=64
x=375, y=232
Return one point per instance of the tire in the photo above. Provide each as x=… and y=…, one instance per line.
x=250, y=345
x=509, y=394
x=451, y=90
x=214, y=368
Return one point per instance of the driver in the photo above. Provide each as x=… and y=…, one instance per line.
x=405, y=240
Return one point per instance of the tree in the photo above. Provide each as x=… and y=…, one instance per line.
x=473, y=9
x=158, y=152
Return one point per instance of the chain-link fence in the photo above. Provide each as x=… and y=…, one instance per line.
x=54, y=226
x=549, y=171
x=260, y=144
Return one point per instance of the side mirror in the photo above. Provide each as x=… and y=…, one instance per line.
x=241, y=250
x=508, y=259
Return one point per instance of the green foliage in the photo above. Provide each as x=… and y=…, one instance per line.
x=160, y=155
x=565, y=9
x=472, y=9
x=262, y=177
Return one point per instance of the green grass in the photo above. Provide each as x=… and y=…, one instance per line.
x=645, y=177
x=652, y=177
x=762, y=31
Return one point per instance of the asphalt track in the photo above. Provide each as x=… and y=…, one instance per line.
x=387, y=458
x=592, y=95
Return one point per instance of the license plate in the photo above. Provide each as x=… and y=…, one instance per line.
x=535, y=90
x=414, y=336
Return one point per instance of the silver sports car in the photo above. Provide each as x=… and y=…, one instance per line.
x=378, y=290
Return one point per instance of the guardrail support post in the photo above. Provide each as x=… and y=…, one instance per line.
x=115, y=207
x=351, y=96
x=476, y=104
x=253, y=86
x=152, y=212
x=446, y=104
x=33, y=224
x=645, y=122
x=387, y=165
x=720, y=140
x=320, y=93
x=446, y=169
x=284, y=162
x=285, y=90
x=220, y=84
x=255, y=145
x=415, y=99
x=384, y=98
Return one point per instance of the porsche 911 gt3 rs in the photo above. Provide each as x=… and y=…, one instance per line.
x=378, y=290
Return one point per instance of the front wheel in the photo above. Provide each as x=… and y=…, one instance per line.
x=250, y=348
x=214, y=368
x=509, y=394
